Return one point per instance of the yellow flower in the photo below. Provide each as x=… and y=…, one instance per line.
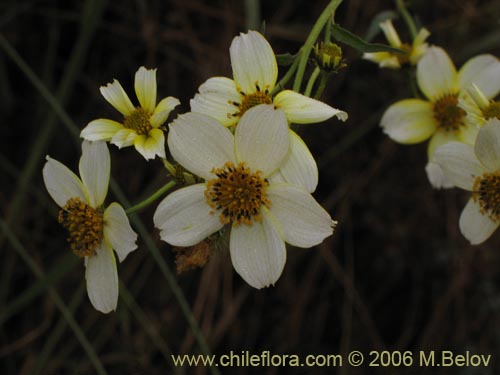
x=439, y=118
x=395, y=60
x=478, y=108
x=141, y=125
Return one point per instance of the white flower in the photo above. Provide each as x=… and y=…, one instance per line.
x=255, y=72
x=439, y=117
x=476, y=169
x=395, y=60
x=141, y=125
x=263, y=215
x=93, y=231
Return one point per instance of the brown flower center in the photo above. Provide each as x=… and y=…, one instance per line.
x=448, y=114
x=238, y=193
x=404, y=58
x=84, y=224
x=486, y=192
x=139, y=121
x=251, y=100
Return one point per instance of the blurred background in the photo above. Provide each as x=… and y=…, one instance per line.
x=396, y=274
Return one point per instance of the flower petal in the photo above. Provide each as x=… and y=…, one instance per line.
x=95, y=168
x=439, y=138
x=484, y=72
x=145, y=88
x=162, y=111
x=118, y=232
x=409, y=121
x=253, y=62
x=261, y=138
x=117, y=97
x=299, y=167
x=101, y=130
x=146, y=146
x=390, y=33
x=124, y=138
x=474, y=225
x=61, y=183
x=459, y=164
x=436, y=74
x=199, y=143
x=303, y=221
x=102, y=279
x=383, y=59
x=184, y=218
x=258, y=252
x=487, y=147
x=155, y=143
x=436, y=176
x=300, y=109
x=216, y=99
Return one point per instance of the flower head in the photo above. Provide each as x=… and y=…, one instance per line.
x=94, y=231
x=412, y=54
x=141, y=125
x=255, y=72
x=476, y=169
x=238, y=192
x=440, y=118
x=328, y=56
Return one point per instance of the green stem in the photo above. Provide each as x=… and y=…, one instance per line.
x=410, y=23
x=322, y=85
x=289, y=74
x=328, y=32
x=311, y=39
x=146, y=202
x=312, y=80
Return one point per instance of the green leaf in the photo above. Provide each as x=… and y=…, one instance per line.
x=344, y=36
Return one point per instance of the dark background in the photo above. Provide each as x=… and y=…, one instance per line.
x=396, y=274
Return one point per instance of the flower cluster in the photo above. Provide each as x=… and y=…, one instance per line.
x=248, y=177
x=459, y=118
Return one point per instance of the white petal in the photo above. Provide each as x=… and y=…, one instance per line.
x=383, y=59
x=61, y=183
x=303, y=221
x=184, y=218
x=261, y=138
x=390, y=33
x=475, y=226
x=439, y=138
x=117, y=97
x=102, y=279
x=484, y=72
x=436, y=74
x=419, y=48
x=216, y=99
x=258, y=252
x=487, y=146
x=459, y=164
x=409, y=121
x=124, y=138
x=118, y=232
x=299, y=167
x=140, y=146
x=101, y=130
x=145, y=88
x=155, y=143
x=162, y=111
x=95, y=167
x=199, y=143
x=436, y=176
x=300, y=109
x=253, y=62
